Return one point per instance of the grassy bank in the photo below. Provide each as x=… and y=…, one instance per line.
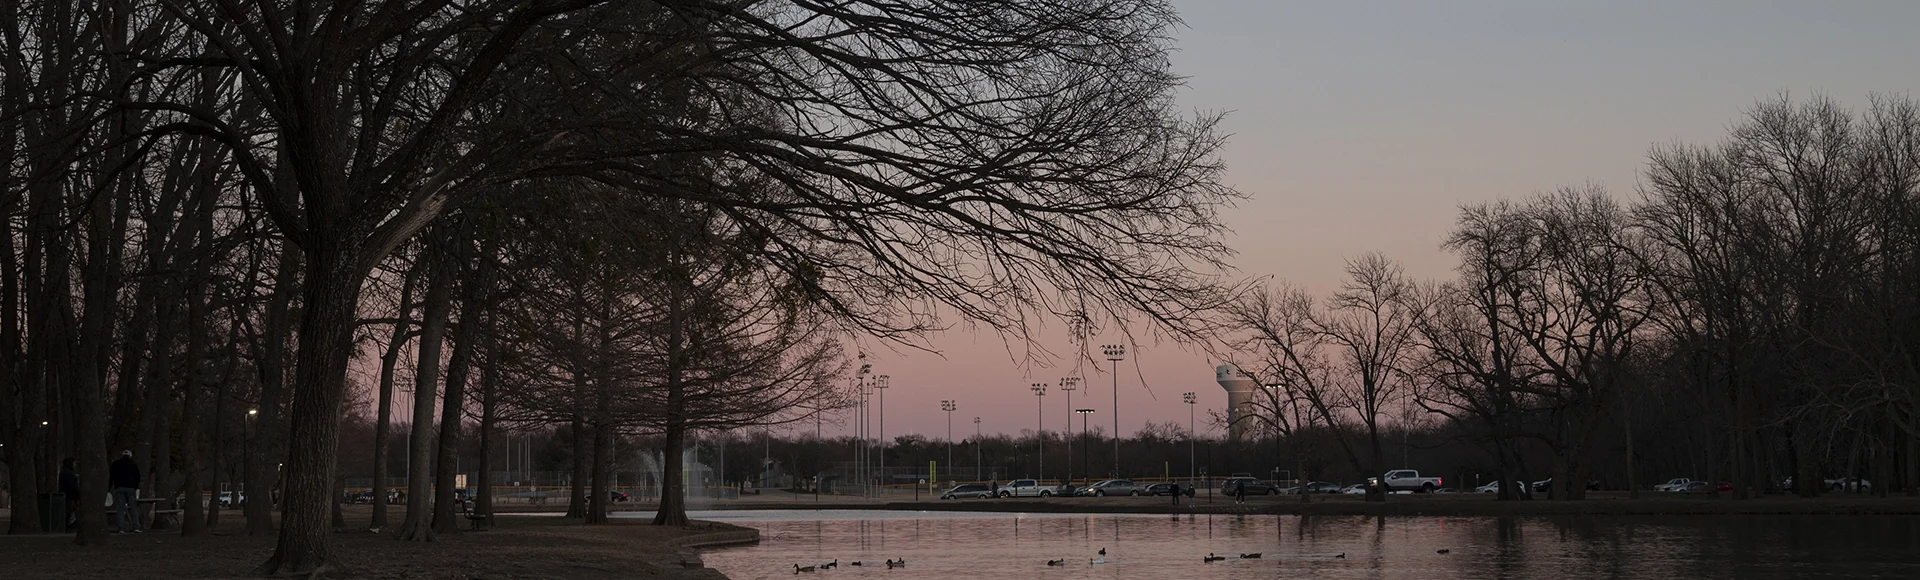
x=522, y=548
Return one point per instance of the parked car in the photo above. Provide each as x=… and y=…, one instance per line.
x=1410, y=480
x=1849, y=484
x=1723, y=486
x=1675, y=484
x=1446, y=490
x=1025, y=488
x=1494, y=487
x=1541, y=486
x=968, y=491
x=1355, y=489
x=1315, y=487
x=1693, y=486
x=230, y=499
x=1254, y=486
x=620, y=496
x=365, y=496
x=1116, y=487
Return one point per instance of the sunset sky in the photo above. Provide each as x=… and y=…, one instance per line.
x=1359, y=126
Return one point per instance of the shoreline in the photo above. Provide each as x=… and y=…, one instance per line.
x=1448, y=505
x=539, y=548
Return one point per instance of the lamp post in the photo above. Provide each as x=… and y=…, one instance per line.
x=1039, y=432
x=949, y=407
x=1191, y=399
x=1116, y=352
x=977, y=463
x=1083, y=440
x=880, y=383
x=1069, y=385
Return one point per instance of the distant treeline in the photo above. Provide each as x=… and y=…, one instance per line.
x=1750, y=314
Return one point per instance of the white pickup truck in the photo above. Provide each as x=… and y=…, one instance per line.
x=1025, y=488
x=1675, y=484
x=1410, y=480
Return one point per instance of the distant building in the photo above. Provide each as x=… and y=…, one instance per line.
x=1239, y=388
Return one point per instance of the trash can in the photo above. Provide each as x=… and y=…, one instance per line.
x=53, y=512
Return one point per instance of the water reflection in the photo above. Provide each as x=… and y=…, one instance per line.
x=1160, y=547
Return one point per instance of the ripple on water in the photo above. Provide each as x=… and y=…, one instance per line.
x=1162, y=547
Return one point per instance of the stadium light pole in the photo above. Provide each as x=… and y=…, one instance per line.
x=1084, y=450
x=949, y=407
x=1191, y=400
x=880, y=384
x=1039, y=432
x=977, y=463
x=1116, y=352
x=1068, y=385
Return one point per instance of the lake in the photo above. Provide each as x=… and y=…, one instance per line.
x=1162, y=547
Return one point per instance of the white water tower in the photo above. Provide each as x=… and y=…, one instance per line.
x=1239, y=388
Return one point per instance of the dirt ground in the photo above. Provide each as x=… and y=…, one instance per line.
x=517, y=548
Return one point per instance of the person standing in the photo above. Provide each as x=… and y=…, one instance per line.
x=70, y=487
x=124, y=474
x=1240, y=492
x=1176, y=494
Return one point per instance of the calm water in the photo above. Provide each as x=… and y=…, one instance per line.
x=1150, y=547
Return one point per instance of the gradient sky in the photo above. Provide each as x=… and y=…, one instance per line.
x=1360, y=126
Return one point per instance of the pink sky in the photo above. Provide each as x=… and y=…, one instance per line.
x=1357, y=128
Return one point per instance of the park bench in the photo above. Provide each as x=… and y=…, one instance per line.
x=166, y=519
x=475, y=521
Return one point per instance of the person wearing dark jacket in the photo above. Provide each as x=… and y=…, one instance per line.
x=70, y=487
x=124, y=475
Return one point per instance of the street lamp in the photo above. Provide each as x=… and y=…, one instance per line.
x=949, y=406
x=1083, y=440
x=1039, y=432
x=1115, y=352
x=881, y=383
x=1069, y=385
x=1191, y=399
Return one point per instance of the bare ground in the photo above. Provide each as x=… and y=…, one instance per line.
x=517, y=548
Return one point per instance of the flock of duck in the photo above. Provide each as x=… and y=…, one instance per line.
x=891, y=564
x=1097, y=560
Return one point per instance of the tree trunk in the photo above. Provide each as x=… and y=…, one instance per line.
x=426, y=380
x=673, y=491
x=1913, y=465
x=193, y=514
x=447, y=463
x=602, y=472
x=156, y=417
x=489, y=383
x=263, y=447
x=577, y=487
x=330, y=299
x=383, y=416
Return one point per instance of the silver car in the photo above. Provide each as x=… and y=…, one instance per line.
x=968, y=491
x=1115, y=487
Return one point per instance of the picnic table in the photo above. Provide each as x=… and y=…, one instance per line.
x=159, y=519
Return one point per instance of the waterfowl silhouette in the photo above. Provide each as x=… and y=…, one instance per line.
x=834, y=564
x=856, y=563
x=1442, y=551
x=900, y=563
x=798, y=569
x=1340, y=555
x=1103, y=550
x=1212, y=558
x=1059, y=562
x=1253, y=556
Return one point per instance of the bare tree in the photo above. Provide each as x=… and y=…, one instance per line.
x=1368, y=324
